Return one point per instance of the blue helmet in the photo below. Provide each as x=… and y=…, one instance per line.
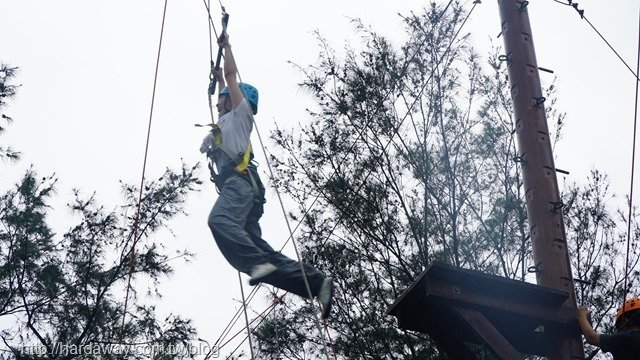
x=250, y=93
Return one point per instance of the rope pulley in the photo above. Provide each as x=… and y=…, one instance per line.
x=215, y=66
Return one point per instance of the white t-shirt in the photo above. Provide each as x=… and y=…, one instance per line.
x=236, y=127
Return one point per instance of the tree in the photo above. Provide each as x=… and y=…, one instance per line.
x=409, y=157
x=62, y=297
x=7, y=92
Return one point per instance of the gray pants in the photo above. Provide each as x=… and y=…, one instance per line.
x=234, y=224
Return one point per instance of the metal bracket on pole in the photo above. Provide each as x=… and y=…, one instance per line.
x=538, y=102
x=522, y=5
x=508, y=58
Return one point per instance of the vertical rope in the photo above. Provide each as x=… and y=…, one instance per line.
x=304, y=275
x=277, y=336
x=331, y=345
x=295, y=247
x=633, y=159
x=246, y=318
x=144, y=168
x=210, y=26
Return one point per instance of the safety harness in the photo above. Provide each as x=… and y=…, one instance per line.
x=242, y=162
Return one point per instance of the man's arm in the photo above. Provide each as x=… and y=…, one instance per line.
x=589, y=333
x=231, y=72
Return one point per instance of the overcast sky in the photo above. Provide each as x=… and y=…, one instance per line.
x=86, y=69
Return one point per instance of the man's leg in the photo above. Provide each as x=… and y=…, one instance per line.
x=227, y=223
x=289, y=276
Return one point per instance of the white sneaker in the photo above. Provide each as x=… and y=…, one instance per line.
x=325, y=296
x=261, y=271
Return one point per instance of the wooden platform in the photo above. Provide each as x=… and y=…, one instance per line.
x=458, y=307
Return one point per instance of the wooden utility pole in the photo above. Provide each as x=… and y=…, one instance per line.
x=544, y=205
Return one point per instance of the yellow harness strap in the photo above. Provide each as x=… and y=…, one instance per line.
x=246, y=157
x=241, y=163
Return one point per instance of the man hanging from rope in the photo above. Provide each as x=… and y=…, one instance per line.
x=625, y=342
x=234, y=218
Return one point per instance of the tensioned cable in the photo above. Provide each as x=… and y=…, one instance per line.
x=635, y=122
x=295, y=246
x=263, y=314
x=260, y=316
x=211, y=61
x=362, y=131
x=244, y=300
x=333, y=348
x=633, y=162
x=211, y=26
x=235, y=318
x=635, y=74
x=210, y=37
x=581, y=13
x=304, y=275
x=144, y=167
x=246, y=318
x=245, y=338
